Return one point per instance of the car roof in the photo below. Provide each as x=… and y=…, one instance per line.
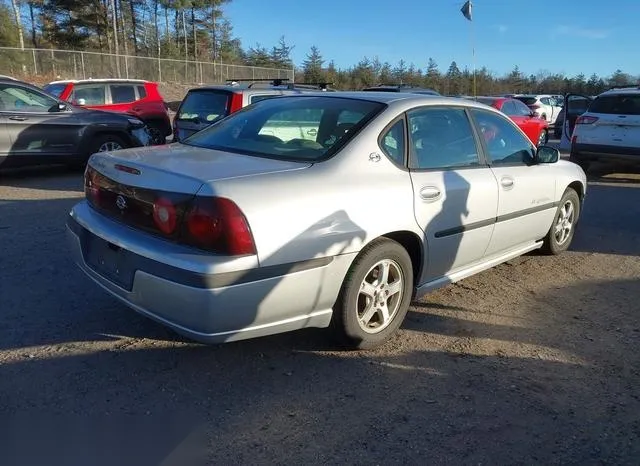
x=10, y=80
x=622, y=90
x=389, y=97
x=100, y=80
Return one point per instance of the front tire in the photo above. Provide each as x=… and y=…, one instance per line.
x=562, y=229
x=375, y=295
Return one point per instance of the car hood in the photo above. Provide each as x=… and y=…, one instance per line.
x=194, y=165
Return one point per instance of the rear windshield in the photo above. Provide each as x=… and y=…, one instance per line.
x=204, y=106
x=289, y=128
x=54, y=89
x=527, y=100
x=617, y=104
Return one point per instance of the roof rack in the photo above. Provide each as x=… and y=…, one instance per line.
x=320, y=85
x=272, y=81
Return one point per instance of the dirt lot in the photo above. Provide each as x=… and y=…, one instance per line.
x=533, y=362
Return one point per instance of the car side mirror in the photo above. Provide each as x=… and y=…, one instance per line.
x=81, y=102
x=547, y=154
x=59, y=107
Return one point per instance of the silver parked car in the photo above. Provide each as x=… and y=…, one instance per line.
x=325, y=209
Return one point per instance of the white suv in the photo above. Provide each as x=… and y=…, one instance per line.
x=543, y=105
x=608, y=133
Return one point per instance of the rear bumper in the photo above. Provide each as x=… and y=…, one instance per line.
x=202, y=303
x=605, y=154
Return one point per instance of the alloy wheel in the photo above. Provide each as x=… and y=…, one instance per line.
x=380, y=296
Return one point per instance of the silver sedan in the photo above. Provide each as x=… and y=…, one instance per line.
x=322, y=210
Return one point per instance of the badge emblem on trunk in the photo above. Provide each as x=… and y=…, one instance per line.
x=121, y=203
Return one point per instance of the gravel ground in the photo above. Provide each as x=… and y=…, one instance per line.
x=533, y=362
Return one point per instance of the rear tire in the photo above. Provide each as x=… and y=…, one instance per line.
x=101, y=143
x=375, y=296
x=562, y=229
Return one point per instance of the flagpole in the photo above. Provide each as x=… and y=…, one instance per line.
x=473, y=56
x=467, y=12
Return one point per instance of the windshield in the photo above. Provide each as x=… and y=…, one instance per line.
x=290, y=128
x=526, y=100
x=54, y=89
x=204, y=106
x=621, y=104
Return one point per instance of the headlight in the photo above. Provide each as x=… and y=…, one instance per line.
x=135, y=122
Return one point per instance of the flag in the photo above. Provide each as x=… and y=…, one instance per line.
x=466, y=9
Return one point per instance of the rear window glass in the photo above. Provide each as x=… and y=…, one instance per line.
x=55, y=89
x=122, y=94
x=527, y=100
x=616, y=104
x=142, y=92
x=204, y=106
x=289, y=128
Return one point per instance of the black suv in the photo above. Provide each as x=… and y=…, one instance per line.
x=400, y=88
x=36, y=128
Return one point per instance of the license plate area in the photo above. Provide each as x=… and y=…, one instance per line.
x=110, y=261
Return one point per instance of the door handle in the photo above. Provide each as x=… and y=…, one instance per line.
x=430, y=193
x=506, y=182
x=17, y=118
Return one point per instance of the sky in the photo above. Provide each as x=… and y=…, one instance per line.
x=555, y=36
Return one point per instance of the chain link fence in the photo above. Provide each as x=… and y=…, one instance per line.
x=68, y=64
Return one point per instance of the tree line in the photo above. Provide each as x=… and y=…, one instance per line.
x=198, y=30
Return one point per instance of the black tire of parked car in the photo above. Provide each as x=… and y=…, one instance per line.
x=157, y=133
x=345, y=314
x=550, y=245
x=94, y=145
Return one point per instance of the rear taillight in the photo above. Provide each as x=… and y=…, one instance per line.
x=236, y=102
x=218, y=225
x=586, y=120
x=92, y=186
x=165, y=215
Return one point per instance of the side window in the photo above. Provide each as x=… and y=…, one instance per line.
x=392, y=142
x=545, y=101
x=142, y=92
x=92, y=94
x=122, y=93
x=20, y=99
x=505, y=144
x=299, y=124
x=441, y=138
x=508, y=108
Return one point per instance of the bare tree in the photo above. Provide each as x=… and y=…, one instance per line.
x=16, y=12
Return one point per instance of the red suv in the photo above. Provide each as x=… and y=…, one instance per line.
x=131, y=96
